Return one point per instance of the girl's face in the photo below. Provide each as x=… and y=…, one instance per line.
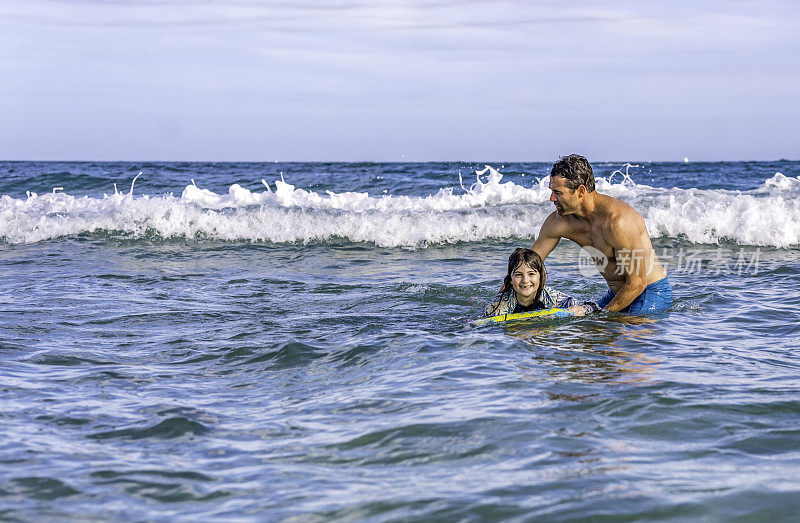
x=525, y=281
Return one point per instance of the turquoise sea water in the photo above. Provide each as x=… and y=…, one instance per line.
x=190, y=350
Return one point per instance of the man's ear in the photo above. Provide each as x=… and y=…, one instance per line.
x=581, y=190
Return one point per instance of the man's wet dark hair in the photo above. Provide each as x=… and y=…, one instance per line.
x=575, y=170
x=532, y=260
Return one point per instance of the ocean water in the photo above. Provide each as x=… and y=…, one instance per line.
x=205, y=345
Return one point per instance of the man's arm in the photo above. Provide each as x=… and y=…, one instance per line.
x=548, y=238
x=625, y=237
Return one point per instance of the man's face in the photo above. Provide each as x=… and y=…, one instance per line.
x=563, y=197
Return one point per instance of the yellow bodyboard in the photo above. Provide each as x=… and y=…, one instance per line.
x=553, y=313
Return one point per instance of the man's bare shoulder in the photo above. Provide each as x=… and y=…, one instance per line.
x=618, y=211
x=621, y=220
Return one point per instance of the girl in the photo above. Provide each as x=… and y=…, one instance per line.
x=524, y=289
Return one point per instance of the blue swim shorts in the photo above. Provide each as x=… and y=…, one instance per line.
x=656, y=297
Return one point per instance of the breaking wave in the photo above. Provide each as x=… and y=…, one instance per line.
x=488, y=209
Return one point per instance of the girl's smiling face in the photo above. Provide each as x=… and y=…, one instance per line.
x=525, y=281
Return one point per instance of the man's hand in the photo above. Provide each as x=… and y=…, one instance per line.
x=577, y=310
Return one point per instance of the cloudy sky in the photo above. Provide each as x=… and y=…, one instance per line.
x=416, y=80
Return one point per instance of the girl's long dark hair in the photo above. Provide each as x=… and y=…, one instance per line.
x=530, y=258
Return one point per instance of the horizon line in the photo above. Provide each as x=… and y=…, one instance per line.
x=684, y=160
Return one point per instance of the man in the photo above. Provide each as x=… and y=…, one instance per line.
x=612, y=232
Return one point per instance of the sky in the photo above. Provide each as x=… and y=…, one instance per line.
x=399, y=80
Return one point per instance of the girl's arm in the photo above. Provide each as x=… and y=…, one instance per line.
x=565, y=301
x=553, y=299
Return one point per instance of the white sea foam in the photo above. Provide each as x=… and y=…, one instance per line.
x=491, y=192
x=780, y=183
x=490, y=208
